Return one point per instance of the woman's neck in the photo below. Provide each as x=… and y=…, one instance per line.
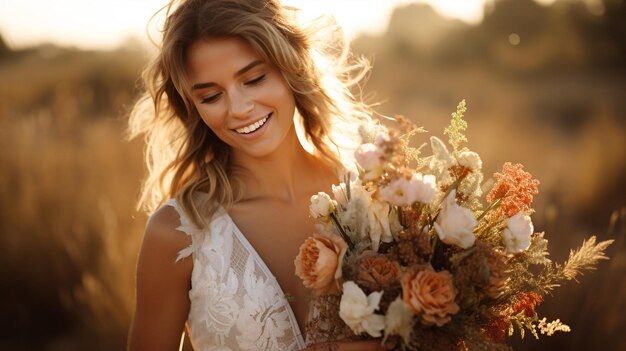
x=285, y=175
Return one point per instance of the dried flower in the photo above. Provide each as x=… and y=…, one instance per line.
x=515, y=188
x=516, y=235
x=498, y=275
x=430, y=294
x=455, y=223
x=470, y=160
x=496, y=328
x=526, y=303
x=321, y=205
x=376, y=272
x=319, y=261
x=357, y=310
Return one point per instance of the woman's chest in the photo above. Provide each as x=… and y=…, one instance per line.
x=276, y=232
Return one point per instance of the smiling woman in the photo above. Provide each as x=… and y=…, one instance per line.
x=245, y=101
x=229, y=175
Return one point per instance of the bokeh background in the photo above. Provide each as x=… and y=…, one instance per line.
x=545, y=83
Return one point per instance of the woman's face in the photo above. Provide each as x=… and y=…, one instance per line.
x=244, y=100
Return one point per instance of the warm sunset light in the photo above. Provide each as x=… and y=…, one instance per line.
x=107, y=24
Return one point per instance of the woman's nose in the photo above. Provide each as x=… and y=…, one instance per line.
x=240, y=105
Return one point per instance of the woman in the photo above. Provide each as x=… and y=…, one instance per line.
x=230, y=177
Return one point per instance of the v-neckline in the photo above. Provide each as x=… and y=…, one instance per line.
x=252, y=251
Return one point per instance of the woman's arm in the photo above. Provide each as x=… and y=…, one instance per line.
x=162, y=296
x=366, y=345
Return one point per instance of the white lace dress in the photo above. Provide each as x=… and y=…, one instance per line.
x=236, y=302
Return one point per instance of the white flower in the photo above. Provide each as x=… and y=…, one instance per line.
x=364, y=215
x=516, y=236
x=455, y=223
x=340, y=193
x=369, y=156
x=470, y=160
x=321, y=205
x=399, y=320
x=357, y=310
x=425, y=187
x=405, y=192
x=378, y=221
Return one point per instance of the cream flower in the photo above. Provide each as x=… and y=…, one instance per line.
x=399, y=320
x=369, y=156
x=405, y=192
x=378, y=222
x=456, y=223
x=365, y=216
x=340, y=193
x=470, y=160
x=321, y=205
x=357, y=310
x=516, y=235
x=425, y=186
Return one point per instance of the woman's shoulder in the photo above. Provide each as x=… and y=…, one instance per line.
x=163, y=234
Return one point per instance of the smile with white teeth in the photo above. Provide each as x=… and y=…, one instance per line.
x=252, y=127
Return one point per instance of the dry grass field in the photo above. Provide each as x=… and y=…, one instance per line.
x=556, y=102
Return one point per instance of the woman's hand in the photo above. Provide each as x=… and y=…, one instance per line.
x=364, y=345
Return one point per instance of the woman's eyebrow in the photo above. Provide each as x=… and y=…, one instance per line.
x=245, y=69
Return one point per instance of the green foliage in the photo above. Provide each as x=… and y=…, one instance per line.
x=457, y=126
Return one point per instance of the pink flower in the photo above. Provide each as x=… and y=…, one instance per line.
x=369, y=157
x=405, y=192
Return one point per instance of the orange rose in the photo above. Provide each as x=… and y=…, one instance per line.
x=378, y=272
x=318, y=263
x=430, y=294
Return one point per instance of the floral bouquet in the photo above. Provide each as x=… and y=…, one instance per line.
x=410, y=252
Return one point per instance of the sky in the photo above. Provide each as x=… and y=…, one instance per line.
x=98, y=24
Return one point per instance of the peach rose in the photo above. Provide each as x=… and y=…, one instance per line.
x=430, y=294
x=377, y=272
x=318, y=263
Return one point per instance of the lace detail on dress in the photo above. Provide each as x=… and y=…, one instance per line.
x=236, y=302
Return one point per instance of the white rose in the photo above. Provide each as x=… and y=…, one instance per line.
x=369, y=156
x=516, y=236
x=321, y=205
x=456, y=223
x=357, y=310
x=470, y=160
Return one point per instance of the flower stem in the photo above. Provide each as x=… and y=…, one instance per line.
x=344, y=236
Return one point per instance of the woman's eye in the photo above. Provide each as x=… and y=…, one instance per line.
x=256, y=80
x=210, y=99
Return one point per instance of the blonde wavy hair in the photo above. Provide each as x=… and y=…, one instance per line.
x=183, y=155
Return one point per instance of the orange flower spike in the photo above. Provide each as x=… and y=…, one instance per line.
x=526, y=302
x=516, y=189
